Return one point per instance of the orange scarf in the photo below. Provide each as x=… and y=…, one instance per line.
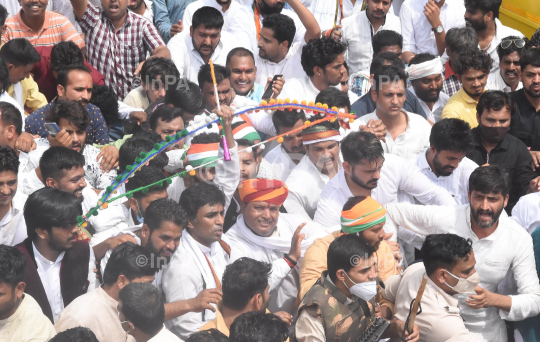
x=257, y=21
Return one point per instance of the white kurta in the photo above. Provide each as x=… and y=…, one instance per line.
x=397, y=175
x=13, y=226
x=305, y=185
x=508, y=249
x=281, y=162
x=434, y=115
x=527, y=212
x=290, y=66
x=284, y=281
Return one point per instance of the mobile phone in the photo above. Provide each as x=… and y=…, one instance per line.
x=268, y=93
x=52, y=128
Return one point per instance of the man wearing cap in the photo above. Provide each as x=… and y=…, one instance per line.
x=425, y=73
x=320, y=164
x=364, y=217
x=264, y=234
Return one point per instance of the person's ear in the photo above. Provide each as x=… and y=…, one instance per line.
x=459, y=78
x=10, y=132
x=61, y=90
x=505, y=201
x=133, y=204
x=191, y=30
x=257, y=302
x=145, y=231
x=439, y=275
x=43, y=234
x=373, y=94
x=433, y=150
x=191, y=223
x=488, y=16
x=347, y=167
x=122, y=281
x=51, y=183
x=259, y=158
x=340, y=275
x=19, y=289
x=284, y=46
x=478, y=117
x=317, y=70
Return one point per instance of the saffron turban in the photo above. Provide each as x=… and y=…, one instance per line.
x=199, y=154
x=246, y=131
x=319, y=133
x=362, y=216
x=271, y=191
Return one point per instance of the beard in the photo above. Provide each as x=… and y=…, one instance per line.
x=158, y=261
x=478, y=26
x=443, y=170
x=531, y=93
x=200, y=47
x=494, y=217
x=372, y=184
x=266, y=9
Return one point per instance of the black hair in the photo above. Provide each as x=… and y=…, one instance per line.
x=512, y=48
x=187, y=96
x=258, y=326
x=343, y=250
x=360, y=146
x=210, y=335
x=380, y=61
x=346, y=66
x=385, y=38
x=242, y=280
x=490, y=179
x=19, y=51
x=63, y=74
x=287, y=119
x=444, y=250
x=106, y=100
x=145, y=176
x=10, y=115
x=125, y=260
x=320, y=52
x=452, y=135
x=164, y=210
x=283, y=27
x=142, y=305
x=205, y=74
x=388, y=73
x=5, y=81
x=474, y=59
x=9, y=161
x=352, y=201
x=77, y=334
x=421, y=58
x=205, y=138
x=12, y=265
x=197, y=196
x=495, y=100
x=49, y=207
x=461, y=39
x=240, y=52
x=530, y=57
x=65, y=53
x=207, y=16
x=148, y=135
x=132, y=148
x=485, y=6
x=70, y=110
x=166, y=114
x=326, y=124
x=247, y=143
x=3, y=15
x=535, y=39
x=334, y=97
x=159, y=67
x=58, y=159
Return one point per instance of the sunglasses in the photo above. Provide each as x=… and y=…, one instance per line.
x=519, y=43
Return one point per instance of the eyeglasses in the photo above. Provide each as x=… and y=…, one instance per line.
x=519, y=43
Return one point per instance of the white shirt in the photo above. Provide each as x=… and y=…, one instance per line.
x=301, y=89
x=187, y=59
x=290, y=66
x=49, y=273
x=324, y=12
x=300, y=28
x=457, y=184
x=397, y=175
x=496, y=82
x=526, y=212
x=13, y=225
x=434, y=115
x=165, y=335
x=305, y=185
x=281, y=162
x=496, y=255
x=6, y=98
x=418, y=35
x=357, y=33
x=184, y=279
x=238, y=21
x=407, y=145
x=501, y=32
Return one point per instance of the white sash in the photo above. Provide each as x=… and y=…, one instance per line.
x=18, y=94
x=198, y=255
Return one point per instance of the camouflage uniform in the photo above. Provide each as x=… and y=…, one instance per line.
x=342, y=322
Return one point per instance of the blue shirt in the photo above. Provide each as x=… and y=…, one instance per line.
x=96, y=132
x=256, y=93
x=167, y=13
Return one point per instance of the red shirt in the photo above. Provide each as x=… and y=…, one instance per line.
x=43, y=74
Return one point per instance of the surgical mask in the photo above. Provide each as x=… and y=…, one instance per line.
x=493, y=135
x=366, y=290
x=139, y=217
x=465, y=285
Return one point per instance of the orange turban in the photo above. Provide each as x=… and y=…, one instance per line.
x=271, y=191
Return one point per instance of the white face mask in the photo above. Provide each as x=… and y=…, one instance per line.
x=366, y=290
x=465, y=285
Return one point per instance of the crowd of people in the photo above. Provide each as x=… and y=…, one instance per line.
x=285, y=224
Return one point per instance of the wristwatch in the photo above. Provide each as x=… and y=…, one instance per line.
x=439, y=29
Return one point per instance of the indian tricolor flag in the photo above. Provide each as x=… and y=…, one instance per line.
x=246, y=131
x=199, y=154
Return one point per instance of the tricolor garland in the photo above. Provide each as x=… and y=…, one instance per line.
x=145, y=157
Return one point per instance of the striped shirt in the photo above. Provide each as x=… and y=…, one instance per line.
x=56, y=28
x=116, y=54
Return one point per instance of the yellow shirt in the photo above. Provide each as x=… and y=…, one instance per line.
x=32, y=98
x=218, y=323
x=461, y=106
x=315, y=262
